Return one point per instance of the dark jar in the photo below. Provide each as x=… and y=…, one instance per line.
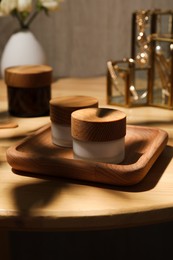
x=28, y=90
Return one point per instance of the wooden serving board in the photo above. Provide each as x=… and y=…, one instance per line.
x=38, y=155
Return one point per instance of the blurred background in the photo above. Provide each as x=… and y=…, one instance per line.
x=81, y=36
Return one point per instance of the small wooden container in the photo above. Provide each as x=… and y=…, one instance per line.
x=60, y=115
x=99, y=134
x=29, y=90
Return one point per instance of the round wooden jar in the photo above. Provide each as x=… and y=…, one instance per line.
x=60, y=115
x=99, y=134
x=29, y=90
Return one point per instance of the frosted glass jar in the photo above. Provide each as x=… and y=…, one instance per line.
x=60, y=116
x=99, y=134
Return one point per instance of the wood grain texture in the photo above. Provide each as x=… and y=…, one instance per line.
x=98, y=124
x=41, y=202
x=62, y=107
x=28, y=76
x=38, y=155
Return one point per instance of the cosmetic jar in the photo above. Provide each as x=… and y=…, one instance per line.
x=28, y=90
x=99, y=134
x=60, y=116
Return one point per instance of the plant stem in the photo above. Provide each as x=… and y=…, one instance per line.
x=16, y=14
x=30, y=19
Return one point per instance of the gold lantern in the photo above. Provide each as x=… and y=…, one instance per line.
x=147, y=77
x=161, y=87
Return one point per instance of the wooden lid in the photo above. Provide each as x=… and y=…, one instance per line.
x=28, y=76
x=62, y=107
x=98, y=124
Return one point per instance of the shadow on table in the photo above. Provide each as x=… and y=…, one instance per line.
x=149, y=181
x=35, y=195
x=40, y=192
x=154, y=174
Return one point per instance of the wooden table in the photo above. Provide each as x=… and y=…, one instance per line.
x=36, y=203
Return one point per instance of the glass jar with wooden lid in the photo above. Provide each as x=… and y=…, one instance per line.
x=28, y=90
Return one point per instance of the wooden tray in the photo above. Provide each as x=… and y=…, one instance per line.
x=37, y=155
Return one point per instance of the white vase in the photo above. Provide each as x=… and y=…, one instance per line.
x=22, y=48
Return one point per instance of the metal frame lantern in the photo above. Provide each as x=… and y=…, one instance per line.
x=147, y=77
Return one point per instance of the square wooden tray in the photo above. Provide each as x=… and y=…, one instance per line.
x=37, y=154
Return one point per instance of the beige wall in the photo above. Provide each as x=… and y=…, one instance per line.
x=84, y=34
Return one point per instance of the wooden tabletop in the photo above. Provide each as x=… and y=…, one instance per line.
x=41, y=203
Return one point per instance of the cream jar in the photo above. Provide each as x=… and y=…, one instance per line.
x=60, y=116
x=29, y=90
x=99, y=134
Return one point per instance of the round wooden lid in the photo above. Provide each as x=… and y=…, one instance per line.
x=28, y=76
x=98, y=124
x=62, y=107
